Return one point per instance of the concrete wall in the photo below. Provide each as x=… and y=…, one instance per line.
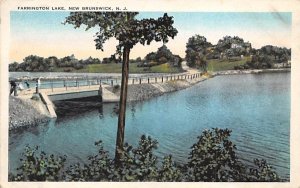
x=73, y=95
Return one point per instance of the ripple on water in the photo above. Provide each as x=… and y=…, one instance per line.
x=255, y=107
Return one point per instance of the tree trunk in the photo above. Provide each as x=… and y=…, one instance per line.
x=122, y=105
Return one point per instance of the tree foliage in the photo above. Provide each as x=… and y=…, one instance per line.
x=199, y=51
x=129, y=31
x=279, y=54
x=161, y=56
x=124, y=27
x=212, y=158
x=236, y=43
x=196, y=50
x=33, y=63
x=39, y=167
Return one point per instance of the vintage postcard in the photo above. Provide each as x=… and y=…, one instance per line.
x=163, y=93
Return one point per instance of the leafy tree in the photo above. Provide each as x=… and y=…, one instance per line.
x=105, y=60
x=227, y=43
x=235, y=45
x=35, y=63
x=177, y=60
x=151, y=56
x=196, y=50
x=13, y=66
x=128, y=31
x=52, y=62
x=281, y=55
x=91, y=60
x=161, y=56
x=138, y=59
x=164, y=52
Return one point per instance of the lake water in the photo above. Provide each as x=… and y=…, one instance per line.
x=70, y=75
x=256, y=107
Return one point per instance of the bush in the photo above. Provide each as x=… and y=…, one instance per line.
x=212, y=158
x=39, y=168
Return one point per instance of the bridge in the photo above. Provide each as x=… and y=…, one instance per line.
x=57, y=90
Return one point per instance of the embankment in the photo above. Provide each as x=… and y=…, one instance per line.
x=250, y=71
x=141, y=92
x=26, y=112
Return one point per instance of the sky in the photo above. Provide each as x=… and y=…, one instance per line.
x=42, y=33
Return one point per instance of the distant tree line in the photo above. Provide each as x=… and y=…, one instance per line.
x=199, y=50
x=33, y=63
x=268, y=57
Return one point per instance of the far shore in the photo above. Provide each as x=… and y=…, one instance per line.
x=250, y=71
x=66, y=76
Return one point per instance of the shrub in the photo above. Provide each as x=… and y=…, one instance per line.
x=39, y=168
x=212, y=158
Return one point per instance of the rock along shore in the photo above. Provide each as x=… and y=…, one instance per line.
x=25, y=112
x=250, y=71
x=142, y=92
x=28, y=112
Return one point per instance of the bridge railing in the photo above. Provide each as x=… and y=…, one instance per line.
x=79, y=83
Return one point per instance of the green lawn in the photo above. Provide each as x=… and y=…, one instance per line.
x=213, y=65
x=117, y=68
x=217, y=65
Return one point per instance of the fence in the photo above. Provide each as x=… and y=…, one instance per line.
x=77, y=83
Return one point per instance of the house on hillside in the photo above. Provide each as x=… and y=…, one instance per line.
x=235, y=45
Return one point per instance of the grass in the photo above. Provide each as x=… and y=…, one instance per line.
x=217, y=65
x=213, y=65
x=117, y=68
x=164, y=68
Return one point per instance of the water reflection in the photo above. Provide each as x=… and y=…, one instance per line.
x=255, y=107
x=132, y=109
x=100, y=110
x=68, y=109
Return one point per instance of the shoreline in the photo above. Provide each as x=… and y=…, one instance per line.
x=26, y=113
x=21, y=117
x=146, y=91
x=22, y=76
x=250, y=71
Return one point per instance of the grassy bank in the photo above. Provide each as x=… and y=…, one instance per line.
x=117, y=68
x=217, y=65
